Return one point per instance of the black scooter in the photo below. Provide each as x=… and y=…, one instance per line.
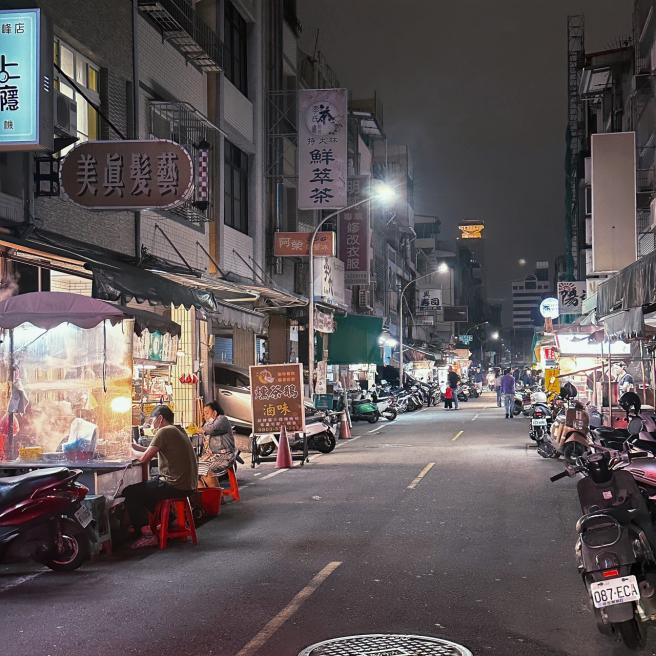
x=615, y=548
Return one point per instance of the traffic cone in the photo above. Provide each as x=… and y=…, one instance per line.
x=344, y=428
x=284, y=455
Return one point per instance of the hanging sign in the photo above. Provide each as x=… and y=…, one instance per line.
x=571, y=296
x=549, y=308
x=297, y=244
x=329, y=281
x=324, y=322
x=26, y=101
x=322, y=156
x=127, y=175
x=277, y=398
x=429, y=300
x=354, y=247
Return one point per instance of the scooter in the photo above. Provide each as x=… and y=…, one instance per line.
x=569, y=435
x=42, y=518
x=615, y=549
x=321, y=436
x=364, y=409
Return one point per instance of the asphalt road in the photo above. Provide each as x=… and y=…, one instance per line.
x=441, y=523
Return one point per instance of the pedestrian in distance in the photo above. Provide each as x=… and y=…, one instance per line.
x=508, y=392
x=448, y=398
x=497, y=386
x=453, y=380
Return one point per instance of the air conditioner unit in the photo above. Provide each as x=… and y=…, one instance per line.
x=364, y=299
x=65, y=115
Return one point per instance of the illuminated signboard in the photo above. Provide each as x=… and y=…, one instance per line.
x=471, y=230
x=25, y=81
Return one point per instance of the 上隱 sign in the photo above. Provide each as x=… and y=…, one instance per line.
x=571, y=296
x=26, y=104
x=127, y=175
x=290, y=244
x=322, y=157
x=277, y=398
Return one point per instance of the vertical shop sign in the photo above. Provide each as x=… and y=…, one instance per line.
x=329, y=281
x=322, y=156
x=26, y=105
x=354, y=247
x=571, y=296
x=277, y=398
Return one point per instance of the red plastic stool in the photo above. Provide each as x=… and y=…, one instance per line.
x=233, y=490
x=159, y=521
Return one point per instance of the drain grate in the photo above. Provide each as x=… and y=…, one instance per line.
x=380, y=644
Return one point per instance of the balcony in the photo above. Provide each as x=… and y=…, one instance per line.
x=181, y=26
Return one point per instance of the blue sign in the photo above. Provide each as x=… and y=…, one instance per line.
x=20, y=35
x=466, y=339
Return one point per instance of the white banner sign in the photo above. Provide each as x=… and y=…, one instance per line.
x=322, y=157
x=429, y=300
x=571, y=296
x=329, y=281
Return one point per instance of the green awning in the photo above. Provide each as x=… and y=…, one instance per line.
x=355, y=340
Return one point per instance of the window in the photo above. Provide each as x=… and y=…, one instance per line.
x=85, y=75
x=236, y=188
x=223, y=353
x=235, y=46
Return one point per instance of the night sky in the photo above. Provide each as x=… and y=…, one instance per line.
x=477, y=89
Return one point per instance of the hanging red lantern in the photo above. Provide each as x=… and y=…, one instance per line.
x=194, y=378
x=188, y=378
x=182, y=378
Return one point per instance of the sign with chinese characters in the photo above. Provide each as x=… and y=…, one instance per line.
x=354, y=246
x=277, y=398
x=571, y=296
x=549, y=308
x=329, y=281
x=322, y=157
x=127, y=175
x=465, y=339
x=429, y=300
x=289, y=244
x=26, y=104
x=324, y=322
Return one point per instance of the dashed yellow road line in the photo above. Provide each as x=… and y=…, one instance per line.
x=421, y=475
x=457, y=435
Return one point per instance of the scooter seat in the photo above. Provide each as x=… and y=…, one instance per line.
x=13, y=488
x=606, y=432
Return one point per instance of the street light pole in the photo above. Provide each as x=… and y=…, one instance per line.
x=426, y=275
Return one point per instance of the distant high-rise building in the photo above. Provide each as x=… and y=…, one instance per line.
x=527, y=295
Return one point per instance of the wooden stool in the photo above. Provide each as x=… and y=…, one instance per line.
x=159, y=521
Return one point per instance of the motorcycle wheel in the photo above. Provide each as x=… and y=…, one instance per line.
x=390, y=414
x=75, y=548
x=326, y=443
x=373, y=419
x=265, y=450
x=631, y=634
x=517, y=408
x=573, y=451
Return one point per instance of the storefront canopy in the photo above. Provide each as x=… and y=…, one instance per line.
x=152, y=322
x=49, y=309
x=633, y=287
x=355, y=340
x=625, y=325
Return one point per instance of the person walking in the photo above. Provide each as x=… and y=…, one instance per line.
x=508, y=392
x=453, y=380
x=497, y=387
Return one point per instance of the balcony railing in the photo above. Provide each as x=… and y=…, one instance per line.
x=186, y=31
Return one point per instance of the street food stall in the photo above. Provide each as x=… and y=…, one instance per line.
x=67, y=386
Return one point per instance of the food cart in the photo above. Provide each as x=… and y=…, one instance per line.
x=67, y=386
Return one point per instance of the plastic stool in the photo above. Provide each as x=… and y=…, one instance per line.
x=233, y=490
x=159, y=521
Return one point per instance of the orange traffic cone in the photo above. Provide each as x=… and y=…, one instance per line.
x=344, y=428
x=284, y=455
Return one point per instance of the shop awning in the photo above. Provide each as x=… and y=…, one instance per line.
x=152, y=322
x=228, y=316
x=355, y=340
x=121, y=285
x=625, y=325
x=633, y=287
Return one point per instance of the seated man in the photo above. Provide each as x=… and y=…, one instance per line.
x=178, y=474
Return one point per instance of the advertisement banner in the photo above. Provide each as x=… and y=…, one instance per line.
x=571, y=296
x=127, y=175
x=322, y=156
x=429, y=300
x=155, y=347
x=277, y=398
x=25, y=62
x=329, y=281
x=324, y=322
x=297, y=244
x=354, y=247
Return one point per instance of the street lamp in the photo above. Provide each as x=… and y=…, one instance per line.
x=382, y=192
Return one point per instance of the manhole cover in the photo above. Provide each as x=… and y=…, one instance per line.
x=380, y=644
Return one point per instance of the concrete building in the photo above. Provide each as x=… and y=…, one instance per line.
x=527, y=295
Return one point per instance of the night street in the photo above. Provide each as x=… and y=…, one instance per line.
x=478, y=551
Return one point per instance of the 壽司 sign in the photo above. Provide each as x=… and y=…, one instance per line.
x=26, y=104
x=429, y=300
x=127, y=175
x=277, y=398
x=322, y=156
